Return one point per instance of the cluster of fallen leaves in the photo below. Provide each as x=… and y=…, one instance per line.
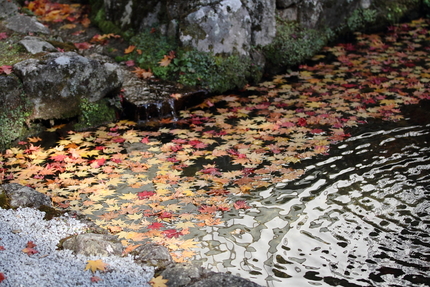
x=71, y=16
x=48, y=11
x=157, y=185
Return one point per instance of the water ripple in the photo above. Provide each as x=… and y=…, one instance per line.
x=358, y=218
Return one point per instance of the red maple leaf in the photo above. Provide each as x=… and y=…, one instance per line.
x=165, y=214
x=317, y=131
x=5, y=69
x=169, y=233
x=145, y=140
x=145, y=194
x=96, y=279
x=208, y=209
x=156, y=225
x=2, y=277
x=302, y=122
x=83, y=46
x=58, y=157
x=118, y=139
x=30, y=251
x=241, y=204
x=30, y=244
x=98, y=162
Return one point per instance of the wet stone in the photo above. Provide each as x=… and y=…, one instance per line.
x=146, y=100
x=153, y=255
x=94, y=244
x=223, y=279
x=183, y=274
x=24, y=196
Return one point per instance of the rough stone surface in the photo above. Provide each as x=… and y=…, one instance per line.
x=153, y=254
x=57, y=82
x=282, y=4
x=25, y=24
x=10, y=91
x=24, y=196
x=223, y=279
x=36, y=45
x=235, y=26
x=220, y=28
x=325, y=13
x=94, y=244
x=182, y=274
x=8, y=8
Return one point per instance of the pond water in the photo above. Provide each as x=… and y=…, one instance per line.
x=319, y=177
x=359, y=217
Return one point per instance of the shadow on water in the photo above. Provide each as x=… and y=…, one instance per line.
x=358, y=217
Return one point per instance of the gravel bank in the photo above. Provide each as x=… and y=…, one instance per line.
x=51, y=267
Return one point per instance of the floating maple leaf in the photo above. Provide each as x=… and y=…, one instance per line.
x=169, y=233
x=156, y=225
x=241, y=204
x=145, y=194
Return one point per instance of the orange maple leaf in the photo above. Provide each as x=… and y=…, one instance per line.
x=142, y=73
x=165, y=61
x=129, y=49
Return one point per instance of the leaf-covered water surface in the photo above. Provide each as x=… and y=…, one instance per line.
x=155, y=186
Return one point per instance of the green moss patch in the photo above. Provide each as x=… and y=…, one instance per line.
x=95, y=113
x=190, y=67
x=293, y=44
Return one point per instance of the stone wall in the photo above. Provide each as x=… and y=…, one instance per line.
x=235, y=26
x=246, y=38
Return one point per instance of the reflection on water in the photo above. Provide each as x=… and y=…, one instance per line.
x=359, y=217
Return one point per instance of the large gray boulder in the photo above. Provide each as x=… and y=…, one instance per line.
x=9, y=8
x=25, y=24
x=57, y=83
x=94, y=244
x=24, y=196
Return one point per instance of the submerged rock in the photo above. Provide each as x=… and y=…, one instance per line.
x=152, y=254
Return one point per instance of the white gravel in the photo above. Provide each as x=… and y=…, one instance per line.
x=51, y=267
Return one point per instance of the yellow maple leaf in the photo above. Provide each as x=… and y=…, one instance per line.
x=188, y=244
x=158, y=282
x=95, y=265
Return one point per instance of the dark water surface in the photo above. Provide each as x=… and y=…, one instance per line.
x=358, y=217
